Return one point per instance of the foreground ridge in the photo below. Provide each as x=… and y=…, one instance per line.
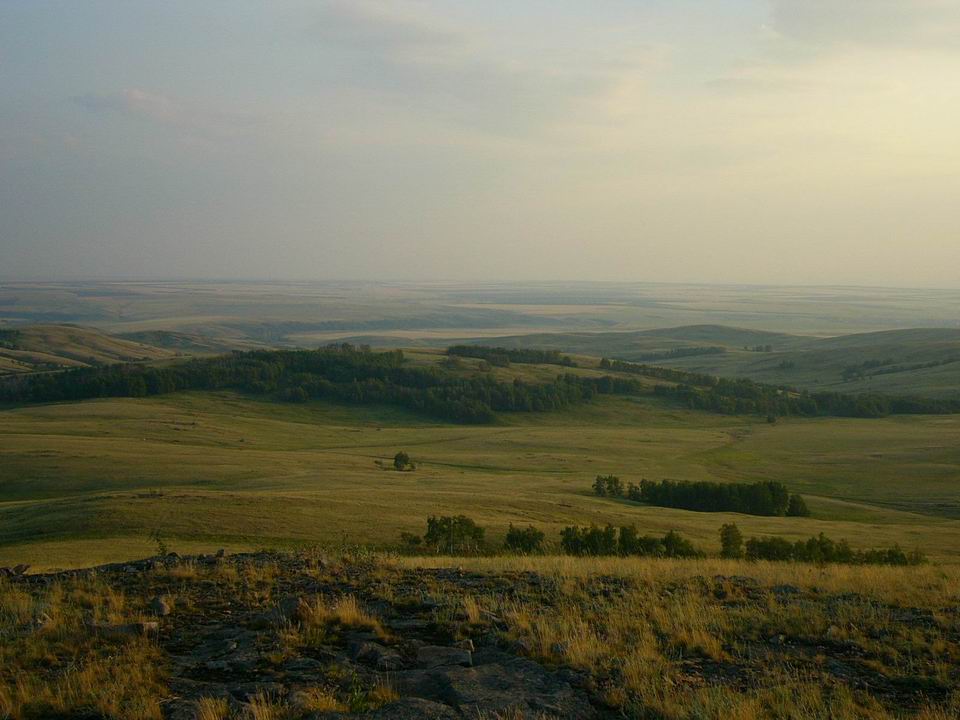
x=279, y=636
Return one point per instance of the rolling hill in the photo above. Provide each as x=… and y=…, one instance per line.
x=35, y=348
x=918, y=361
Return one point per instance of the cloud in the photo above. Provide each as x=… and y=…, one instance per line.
x=198, y=119
x=404, y=57
x=868, y=22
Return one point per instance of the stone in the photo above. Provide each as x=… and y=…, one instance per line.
x=414, y=709
x=380, y=657
x=161, y=606
x=432, y=656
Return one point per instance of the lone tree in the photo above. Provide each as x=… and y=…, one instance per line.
x=401, y=461
x=731, y=542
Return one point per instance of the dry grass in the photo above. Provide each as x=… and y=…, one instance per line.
x=51, y=664
x=690, y=640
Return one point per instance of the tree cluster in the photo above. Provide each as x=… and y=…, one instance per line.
x=760, y=498
x=341, y=373
x=624, y=541
x=821, y=549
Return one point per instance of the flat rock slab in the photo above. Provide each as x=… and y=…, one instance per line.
x=435, y=656
x=518, y=686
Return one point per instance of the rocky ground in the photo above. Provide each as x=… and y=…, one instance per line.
x=287, y=636
x=232, y=628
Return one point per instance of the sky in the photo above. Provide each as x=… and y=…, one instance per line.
x=740, y=141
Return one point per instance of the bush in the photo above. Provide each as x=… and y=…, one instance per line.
x=529, y=540
x=821, y=549
x=401, y=461
x=453, y=535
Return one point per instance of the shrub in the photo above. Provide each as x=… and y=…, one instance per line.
x=797, y=507
x=401, y=461
x=594, y=541
x=453, y=535
x=529, y=540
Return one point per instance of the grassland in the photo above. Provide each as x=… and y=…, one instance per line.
x=92, y=480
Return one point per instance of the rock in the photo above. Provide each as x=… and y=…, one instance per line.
x=161, y=606
x=414, y=709
x=380, y=657
x=514, y=686
x=433, y=656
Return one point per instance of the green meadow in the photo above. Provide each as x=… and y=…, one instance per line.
x=93, y=481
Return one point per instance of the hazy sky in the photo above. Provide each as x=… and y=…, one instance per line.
x=771, y=141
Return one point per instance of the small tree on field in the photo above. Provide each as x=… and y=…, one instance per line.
x=731, y=541
x=529, y=540
x=401, y=461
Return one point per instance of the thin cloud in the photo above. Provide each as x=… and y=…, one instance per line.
x=868, y=22
x=169, y=111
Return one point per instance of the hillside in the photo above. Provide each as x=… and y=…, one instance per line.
x=31, y=348
x=920, y=361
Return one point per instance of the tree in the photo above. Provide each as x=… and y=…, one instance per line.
x=731, y=542
x=797, y=507
x=529, y=540
x=401, y=461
